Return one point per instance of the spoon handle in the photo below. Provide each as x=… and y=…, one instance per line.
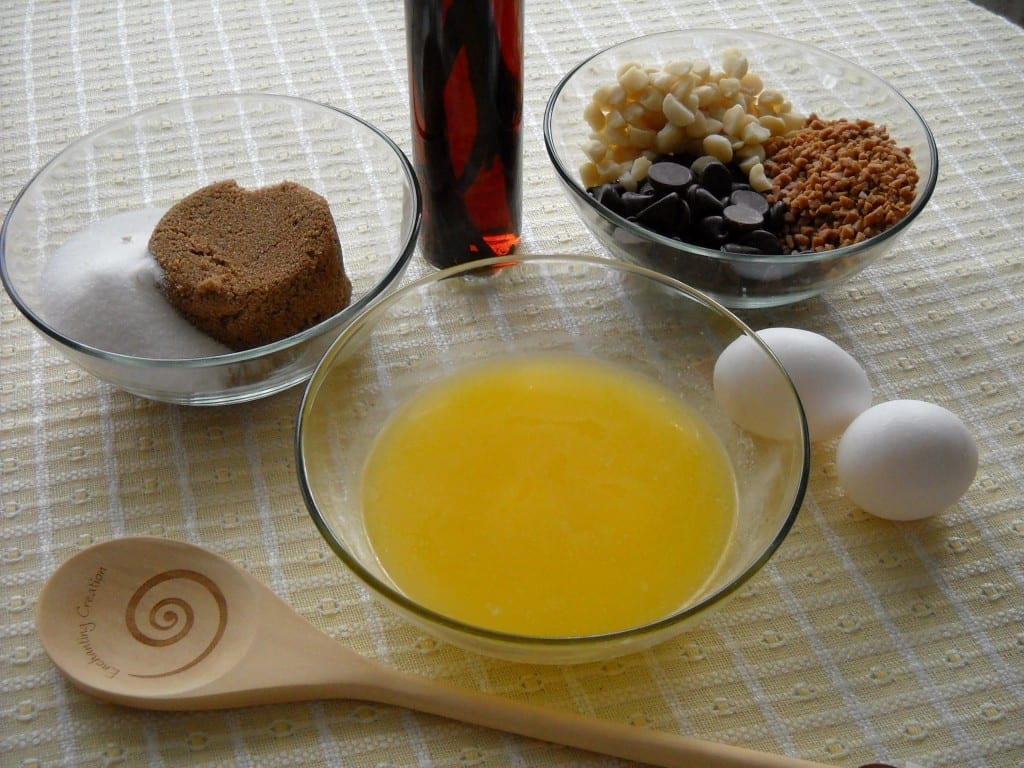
x=604, y=737
x=268, y=653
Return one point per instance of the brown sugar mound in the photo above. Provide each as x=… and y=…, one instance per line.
x=249, y=267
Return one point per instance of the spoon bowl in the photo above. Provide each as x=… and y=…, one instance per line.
x=160, y=624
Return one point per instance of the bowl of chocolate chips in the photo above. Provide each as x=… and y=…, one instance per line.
x=760, y=170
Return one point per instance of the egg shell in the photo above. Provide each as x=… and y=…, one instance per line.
x=832, y=386
x=906, y=459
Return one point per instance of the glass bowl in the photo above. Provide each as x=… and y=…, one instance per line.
x=814, y=81
x=140, y=165
x=603, y=309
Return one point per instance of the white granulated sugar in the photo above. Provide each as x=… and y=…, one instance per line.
x=102, y=288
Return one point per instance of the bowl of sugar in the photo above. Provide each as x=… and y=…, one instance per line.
x=527, y=458
x=207, y=251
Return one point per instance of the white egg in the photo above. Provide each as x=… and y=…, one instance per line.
x=906, y=459
x=832, y=386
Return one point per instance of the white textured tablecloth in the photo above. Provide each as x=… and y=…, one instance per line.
x=862, y=640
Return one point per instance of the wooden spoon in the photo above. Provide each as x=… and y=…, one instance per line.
x=160, y=624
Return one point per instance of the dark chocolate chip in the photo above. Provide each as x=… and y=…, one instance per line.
x=742, y=218
x=685, y=218
x=749, y=198
x=634, y=202
x=763, y=240
x=698, y=165
x=703, y=203
x=777, y=215
x=662, y=215
x=716, y=178
x=669, y=177
x=608, y=196
x=712, y=229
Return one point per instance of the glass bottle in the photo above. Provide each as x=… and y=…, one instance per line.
x=466, y=94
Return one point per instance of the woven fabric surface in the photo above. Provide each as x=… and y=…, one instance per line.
x=862, y=640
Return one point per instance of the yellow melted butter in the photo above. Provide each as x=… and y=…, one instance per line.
x=549, y=496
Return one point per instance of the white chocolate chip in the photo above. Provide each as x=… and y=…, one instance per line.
x=683, y=107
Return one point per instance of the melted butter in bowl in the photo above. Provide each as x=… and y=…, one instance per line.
x=527, y=458
x=549, y=496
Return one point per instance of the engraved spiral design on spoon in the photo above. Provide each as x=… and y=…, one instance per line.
x=174, y=613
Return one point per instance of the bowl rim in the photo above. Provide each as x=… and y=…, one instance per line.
x=395, y=270
x=571, y=182
x=394, y=596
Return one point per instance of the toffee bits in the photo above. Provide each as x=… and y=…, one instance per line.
x=842, y=182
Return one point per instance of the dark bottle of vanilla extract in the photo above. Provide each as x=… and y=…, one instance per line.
x=466, y=94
